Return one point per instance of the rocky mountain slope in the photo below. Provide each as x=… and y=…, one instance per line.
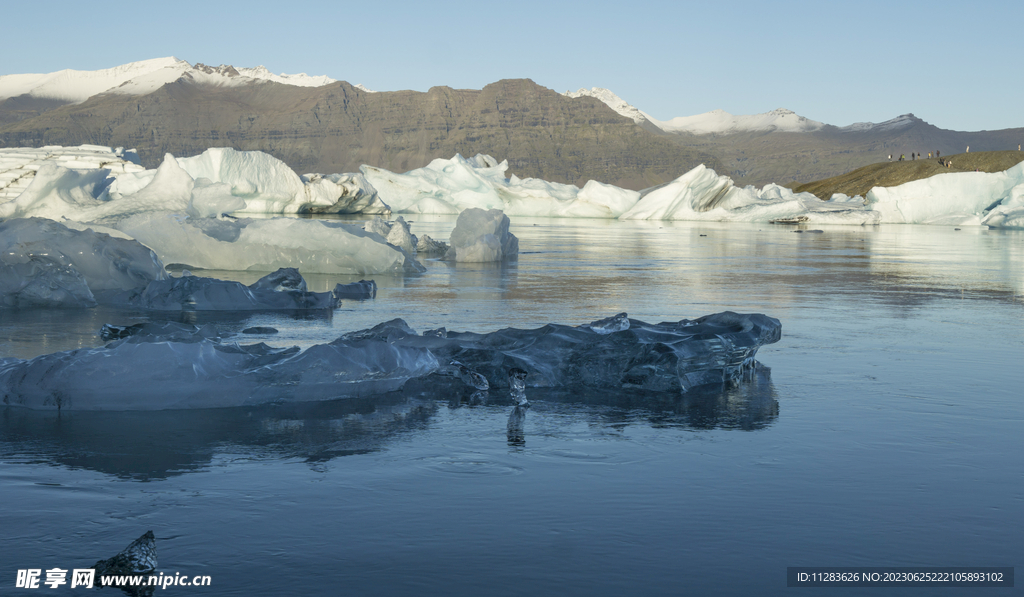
x=317, y=124
x=784, y=147
x=338, y=127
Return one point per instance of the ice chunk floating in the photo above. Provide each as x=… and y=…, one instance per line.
x=47, y=264
x=91, y=183
x=481, y=236
x=184, y=367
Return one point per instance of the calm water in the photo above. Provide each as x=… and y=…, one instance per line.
x=888, y=433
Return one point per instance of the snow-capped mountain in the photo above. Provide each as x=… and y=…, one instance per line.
x=714, y=122
x=613, y=101
x=720, y=122
x=140, y=78
x=899, y=122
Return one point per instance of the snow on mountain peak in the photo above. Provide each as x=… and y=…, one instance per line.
x=299, y=80
x=612, y=101
x=139, y=78
x=896, y=123
x=77, y=86
x=722, y=122
x=713, y=122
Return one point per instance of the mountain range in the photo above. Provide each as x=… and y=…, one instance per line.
x=318, y=124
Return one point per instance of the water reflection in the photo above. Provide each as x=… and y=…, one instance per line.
x=749, y=405
x=514, y=428
x=155, y=445
x=160, y=444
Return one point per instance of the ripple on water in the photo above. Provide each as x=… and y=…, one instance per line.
x=575, y=456
x=467, y=464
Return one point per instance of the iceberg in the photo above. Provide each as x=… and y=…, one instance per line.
x=47, y=264
x=220, y=180
x=283, y=290
x=482, y=236
x=185, y=367
x=311, y=246
x=138, y=558
x=953, y=198
x=703, y=194
x=96, y=184
x=452, y=186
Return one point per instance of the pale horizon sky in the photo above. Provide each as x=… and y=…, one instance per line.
x=951, y=64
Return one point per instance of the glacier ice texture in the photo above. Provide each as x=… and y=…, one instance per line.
x=97, y=184
x=47, y=264
x=312, y=246
x=138, y=558
x=219, y=180
x=283, y=290
x=454, y=185
x=482, y=236
x=174, y=366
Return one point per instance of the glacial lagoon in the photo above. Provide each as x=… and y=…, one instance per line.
x=884, y=429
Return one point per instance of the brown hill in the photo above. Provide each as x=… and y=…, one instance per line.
x=337, y=128
x=890, y=174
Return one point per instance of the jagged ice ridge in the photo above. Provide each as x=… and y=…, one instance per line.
x=186, y=367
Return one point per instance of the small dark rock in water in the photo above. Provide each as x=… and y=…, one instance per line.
x=259, y=330
x=809, y=231
x=956, y=229
x=137, y=558
x=703, y=235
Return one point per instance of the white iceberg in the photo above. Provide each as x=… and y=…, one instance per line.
x=452, y=186
x=702, y=194
x=964, y=198
x=91, y=183
x=252, y=182
x=311, y=246
x=220, y=180
x=482, y=236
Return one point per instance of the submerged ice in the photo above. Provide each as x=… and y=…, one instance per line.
x=185, y=367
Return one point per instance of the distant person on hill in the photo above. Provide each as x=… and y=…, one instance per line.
x=968, y=149
x=938, y=153
x=890, y=155
x=929, y=155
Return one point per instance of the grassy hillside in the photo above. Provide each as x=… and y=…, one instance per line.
x=890, y=174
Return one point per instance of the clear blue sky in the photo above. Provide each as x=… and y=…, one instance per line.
x=954, y=64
